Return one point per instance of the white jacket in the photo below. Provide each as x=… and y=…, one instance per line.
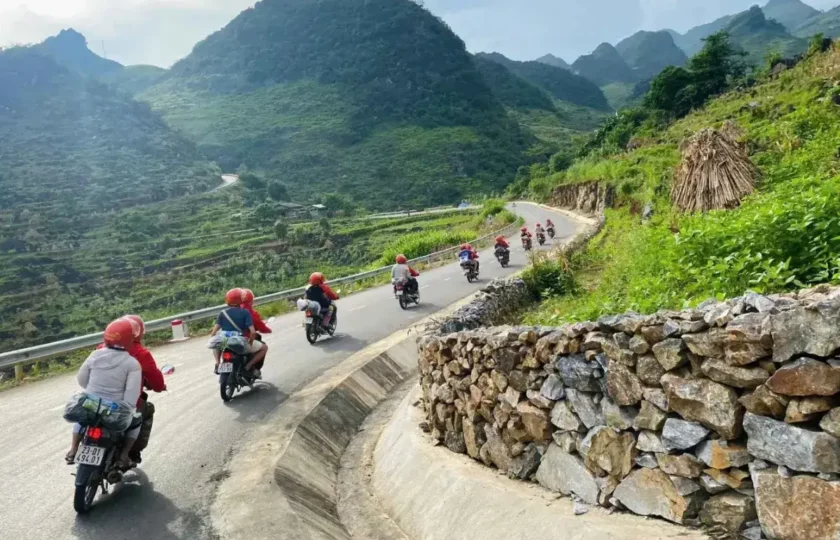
x=112, y=374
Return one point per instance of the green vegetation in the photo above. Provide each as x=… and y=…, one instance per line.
x=605, y=66
x=620, y=95
x=134, y=79
x=561, y=84
x=376, y=100
x=785, y=236
x=648, y=53
x=513, y=91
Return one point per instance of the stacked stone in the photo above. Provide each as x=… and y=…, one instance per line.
x=725, y=415
x=495, y=302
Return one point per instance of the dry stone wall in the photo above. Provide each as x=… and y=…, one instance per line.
x=726, y=415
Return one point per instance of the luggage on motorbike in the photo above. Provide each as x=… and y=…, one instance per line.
x=88, y=409
x=303, y=304
x=233, y=341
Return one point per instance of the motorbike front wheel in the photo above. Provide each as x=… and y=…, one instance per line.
x=403, y=301
x=311, y=333
x=227, y=386
x=86, y=492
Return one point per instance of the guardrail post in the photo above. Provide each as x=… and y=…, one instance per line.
x=18, y=372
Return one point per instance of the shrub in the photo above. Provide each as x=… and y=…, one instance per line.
x=548, y=278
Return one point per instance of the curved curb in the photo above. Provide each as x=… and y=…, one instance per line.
x=434, y=494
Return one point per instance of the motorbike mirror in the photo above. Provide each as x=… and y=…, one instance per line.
x=168, y=369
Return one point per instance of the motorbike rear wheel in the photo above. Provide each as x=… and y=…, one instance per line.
x=312, y=333
x=403, y=302
x=227, y=386
x=85, y=494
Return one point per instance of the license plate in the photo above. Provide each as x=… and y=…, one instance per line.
x=226, y=367
x=308, y=320
x=90, y=455
x=399, y=293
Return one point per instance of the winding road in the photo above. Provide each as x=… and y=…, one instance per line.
x=195, y=434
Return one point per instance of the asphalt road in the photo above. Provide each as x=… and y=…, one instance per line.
x=195, y=433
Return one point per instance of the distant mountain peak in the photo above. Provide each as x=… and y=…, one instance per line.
x=555, y=61
x=70, y=49
x=790, y=13
x=604, y=66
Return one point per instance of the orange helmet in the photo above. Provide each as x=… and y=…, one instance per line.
x=401, y=259
x=234, y=297
x=465, y=246
x=119, y=334
x=500, y=238
x=317, y=278
x=247, y=297
x=138, y=326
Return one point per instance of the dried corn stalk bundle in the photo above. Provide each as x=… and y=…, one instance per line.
x=715, y=173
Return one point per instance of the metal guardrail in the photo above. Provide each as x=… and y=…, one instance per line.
x=38, y=352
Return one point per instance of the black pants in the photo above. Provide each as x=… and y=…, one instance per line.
x=411, y=286
x=148, y=410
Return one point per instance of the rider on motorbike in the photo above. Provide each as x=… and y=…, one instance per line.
x=501, y=242
x=539, y=230
x=402, y=272
x=468, y=253
x=112, y=374
x=236, y=319
x=259, y=325
x=319, y=291
x=152, y=380
x=549, y=224
x=524, y=234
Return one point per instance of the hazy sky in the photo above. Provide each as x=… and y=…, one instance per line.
x=161, y=31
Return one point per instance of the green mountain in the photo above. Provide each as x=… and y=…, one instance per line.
x=648, y=53
x=692, y=41
x=759, y=36
x=827, y=23
x=378, y=100
x=604, y=66
x=513, y=91
x=555, y=61
x=553, y=122
x=73, y=147
x=69, y=49
x=790, y=13
x=561, y=84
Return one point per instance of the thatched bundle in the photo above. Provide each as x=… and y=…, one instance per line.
x=715, y=173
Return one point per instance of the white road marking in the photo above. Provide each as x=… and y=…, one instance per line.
x=357, y=308
x=447, y=279
x=424, y=287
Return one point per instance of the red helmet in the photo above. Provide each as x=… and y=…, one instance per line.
x=234, y=297
x=401, y=259
x=247, y=297
x=119, y=334
x=500, y=238
x=538, y=225
x=468, y=247
x=317, y=278
x=138, y=326
x=524, y=229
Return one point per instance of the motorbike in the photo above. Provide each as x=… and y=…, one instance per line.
x=403, y=296
x=503, y=256
x=96, y=462
x=470, y=269
x=232, y=373
x=541, y=238
x=551, y=232
x=527, y=243
x=314, y=324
